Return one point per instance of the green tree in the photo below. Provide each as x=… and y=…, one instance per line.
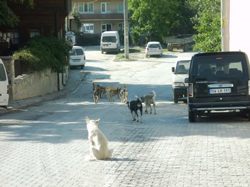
x=161, y=18
x=207, y=23
x=7, y=16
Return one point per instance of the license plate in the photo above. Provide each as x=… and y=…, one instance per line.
x=221, y=90
x=76, y=60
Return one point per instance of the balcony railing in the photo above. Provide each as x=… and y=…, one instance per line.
x=87, y=17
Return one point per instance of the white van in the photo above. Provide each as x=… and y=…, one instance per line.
x=4, y=86
x=180, y=72
x=110, y=41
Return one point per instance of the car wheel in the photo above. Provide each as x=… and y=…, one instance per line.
x=192, y=116
x=248, y=114
x=175, y=98
x=82, y=67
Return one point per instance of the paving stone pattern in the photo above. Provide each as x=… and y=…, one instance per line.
x=164, y=150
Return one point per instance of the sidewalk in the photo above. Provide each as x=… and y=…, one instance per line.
x=74, y=79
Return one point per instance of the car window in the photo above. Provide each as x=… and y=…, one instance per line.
x=182, y=67
x=109, y=39
x=214, y=68
x=76, y=52
x=2, y=73
x=154, y=46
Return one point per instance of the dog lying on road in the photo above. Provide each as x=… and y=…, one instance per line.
x=134, y=106
x=98, y=142
x=148, y=100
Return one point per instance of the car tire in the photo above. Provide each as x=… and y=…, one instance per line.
x=192, y=116
x=175, y=98
x=82, y=67
x=248, y=114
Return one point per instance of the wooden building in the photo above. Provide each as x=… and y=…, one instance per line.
x=46, y=18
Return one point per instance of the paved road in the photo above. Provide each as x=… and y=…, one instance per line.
x=45, y=145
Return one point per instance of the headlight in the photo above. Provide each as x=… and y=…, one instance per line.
x=178, y=84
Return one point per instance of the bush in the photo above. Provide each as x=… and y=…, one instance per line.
x=43, y=52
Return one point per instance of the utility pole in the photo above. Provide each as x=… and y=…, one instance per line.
x=225, y=25
x=126, y=30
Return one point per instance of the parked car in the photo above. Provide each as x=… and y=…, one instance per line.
x=180, y=72
x=153, y=48
x=4, y=86
x=77, y=57
x=218, y=82
x=110, y=42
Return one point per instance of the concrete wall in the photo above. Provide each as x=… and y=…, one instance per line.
x=34, y=84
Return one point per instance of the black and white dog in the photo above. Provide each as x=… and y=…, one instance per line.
x=134, y=106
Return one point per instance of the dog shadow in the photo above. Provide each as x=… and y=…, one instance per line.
x=121, y=159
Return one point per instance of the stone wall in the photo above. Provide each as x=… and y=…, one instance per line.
x=34, y=84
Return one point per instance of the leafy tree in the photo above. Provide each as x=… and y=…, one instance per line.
x=7, y=16
x=42, y=52
x=207, y=22
x=160, y=18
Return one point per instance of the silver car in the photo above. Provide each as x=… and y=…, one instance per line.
x=153, y=48
x=77, y=57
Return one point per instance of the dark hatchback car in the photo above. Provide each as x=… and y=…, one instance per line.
x=218, y=82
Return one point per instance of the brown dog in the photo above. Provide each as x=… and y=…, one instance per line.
x=124, y=94
x=98, y=87
x=113, y=93
x=148, y=100
x=96, y=94
x=109, y=88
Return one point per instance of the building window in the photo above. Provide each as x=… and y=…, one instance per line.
x=120, y=7
x=85, y=7
x=87, y=28
x=106, y=27
x=121, y=26
x=105, y=7
x=34, y=32
x=14, y=36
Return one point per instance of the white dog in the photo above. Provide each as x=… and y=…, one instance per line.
x=98, y=142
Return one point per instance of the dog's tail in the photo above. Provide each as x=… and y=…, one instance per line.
x=153, y=92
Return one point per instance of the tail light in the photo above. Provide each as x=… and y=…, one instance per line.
x=84, y=58
x=8, y=89
x=248, y=87
x=147, y=48
x=190, y=90
x=159, y=48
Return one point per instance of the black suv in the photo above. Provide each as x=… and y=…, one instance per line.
x=218, y=81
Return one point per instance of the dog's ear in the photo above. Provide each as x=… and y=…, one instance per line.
x=87, y=119
x=97, y=121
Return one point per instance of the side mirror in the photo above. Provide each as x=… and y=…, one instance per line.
x=173, y=70
x=186, y=80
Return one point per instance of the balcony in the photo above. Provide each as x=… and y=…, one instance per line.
x=101, y=17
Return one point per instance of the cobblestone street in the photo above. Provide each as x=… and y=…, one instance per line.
x=45, y=144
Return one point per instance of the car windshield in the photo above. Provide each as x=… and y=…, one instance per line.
x=154, y=46
x=76, y=52
x=109, y=39
x=2, y=73
x=182, y=67
x=219, y=67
